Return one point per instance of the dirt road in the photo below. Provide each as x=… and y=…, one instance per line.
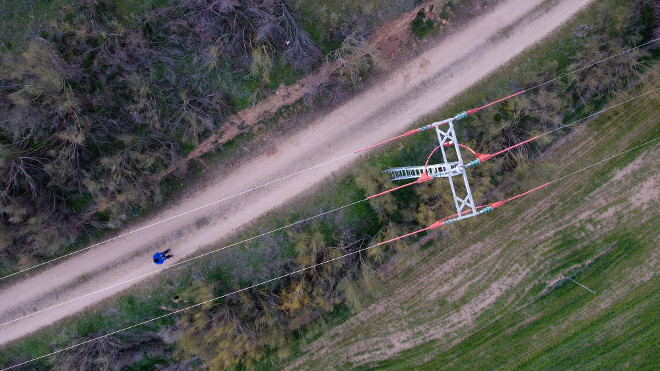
x=378, y=113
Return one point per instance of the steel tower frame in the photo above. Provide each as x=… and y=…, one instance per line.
x=464, y=202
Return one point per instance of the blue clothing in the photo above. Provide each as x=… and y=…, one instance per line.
x=159, y=258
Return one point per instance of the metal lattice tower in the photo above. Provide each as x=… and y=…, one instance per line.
x=464, y=202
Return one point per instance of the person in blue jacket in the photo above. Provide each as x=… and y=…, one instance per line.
x=160, y=257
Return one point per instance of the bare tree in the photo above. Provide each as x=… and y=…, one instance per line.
x=16, y=165
x=98, y=354
x=356, y=57
x=300, y=51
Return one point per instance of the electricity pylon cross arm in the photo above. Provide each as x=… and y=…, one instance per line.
x=463, y=200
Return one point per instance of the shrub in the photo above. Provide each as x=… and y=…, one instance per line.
x=420, y=26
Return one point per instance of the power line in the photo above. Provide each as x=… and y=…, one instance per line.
x=183, y=262
x=595, y=63
x=308, y=169
x=601, y=161
x=179, y=215
x=481, y=157
x=599, y=112
x=293, y=272
x=464, y=114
